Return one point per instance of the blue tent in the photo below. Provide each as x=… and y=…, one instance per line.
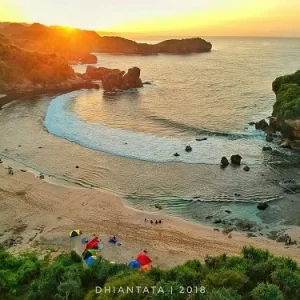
x=84, y=240
x=134, y=264
x=89, y=260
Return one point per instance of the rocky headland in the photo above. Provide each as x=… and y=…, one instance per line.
x=286, y=112
x=77, y=45
x=23, y=71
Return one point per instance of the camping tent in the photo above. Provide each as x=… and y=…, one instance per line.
x=100, y=245
x=143, y=259
x=90, y=260
x=113, y=240
x=88, y=253
x=145, y=268
x=76, y=232
x=92, y=244
x=84, y=240
x=134, y=264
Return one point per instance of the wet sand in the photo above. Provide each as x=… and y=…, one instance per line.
x=43, y=212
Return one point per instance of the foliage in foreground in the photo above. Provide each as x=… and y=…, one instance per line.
x=255, y=275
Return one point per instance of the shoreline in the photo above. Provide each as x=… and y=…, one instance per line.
x=48, y=211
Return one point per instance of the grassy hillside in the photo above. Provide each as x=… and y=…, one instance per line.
x=256, y=275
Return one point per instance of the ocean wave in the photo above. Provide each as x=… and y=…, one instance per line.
x=203, y=131
x=64, y=123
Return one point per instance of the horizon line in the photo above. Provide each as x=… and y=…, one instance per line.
x=154, y=34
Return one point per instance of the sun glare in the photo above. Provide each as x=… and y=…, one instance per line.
x=231, y=17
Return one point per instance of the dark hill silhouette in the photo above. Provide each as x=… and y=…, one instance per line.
x=75, y=44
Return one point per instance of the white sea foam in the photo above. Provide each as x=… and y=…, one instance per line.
x=64, y=123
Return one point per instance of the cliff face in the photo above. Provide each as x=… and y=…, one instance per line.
x=287, y=106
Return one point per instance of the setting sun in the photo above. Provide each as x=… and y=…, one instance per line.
x=215, y=17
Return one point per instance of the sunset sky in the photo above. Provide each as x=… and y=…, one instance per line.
x=181, y=17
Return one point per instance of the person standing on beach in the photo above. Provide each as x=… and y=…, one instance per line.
x=10, y=170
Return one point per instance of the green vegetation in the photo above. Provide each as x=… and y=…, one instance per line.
x=287, y=90
x=18, y=66
x=256, y=275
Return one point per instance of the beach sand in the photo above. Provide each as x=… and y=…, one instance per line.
x=43, y=212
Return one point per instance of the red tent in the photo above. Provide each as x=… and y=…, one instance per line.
x=92, y=244
x=143, y=259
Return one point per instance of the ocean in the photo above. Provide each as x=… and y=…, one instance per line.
x=126, y=143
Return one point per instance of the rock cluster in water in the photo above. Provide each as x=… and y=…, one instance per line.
x=115, y=79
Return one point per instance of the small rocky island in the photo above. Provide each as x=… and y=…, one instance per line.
x=115, y=79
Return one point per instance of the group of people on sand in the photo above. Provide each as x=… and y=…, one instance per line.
x=10, y=169
x=154, y=222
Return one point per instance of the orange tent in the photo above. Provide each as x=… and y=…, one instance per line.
x=145, y=268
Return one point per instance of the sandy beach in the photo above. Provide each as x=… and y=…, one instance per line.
x=43, y=212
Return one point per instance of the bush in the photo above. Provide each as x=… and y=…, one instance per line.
x=102, y=269
x=267, y=292
x=226, y=278
x=221, y=294
x=257, y=275
x=116, y=287
x=15, y=273
x=288, y=281
x=256, y=255
x=63, y=278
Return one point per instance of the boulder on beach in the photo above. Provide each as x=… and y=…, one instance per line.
x=261, y=125
x=236, y=159
x=266, y=148
x=246, y=225
x=224, y=161
x=158, y=206
x=285, y=144
x=188, y=148
x=246, y=169
x=262, y=205
x=201, y=139
x=269, y=138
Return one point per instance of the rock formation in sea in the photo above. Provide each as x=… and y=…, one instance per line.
x=89, y=58
x=115, y=79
